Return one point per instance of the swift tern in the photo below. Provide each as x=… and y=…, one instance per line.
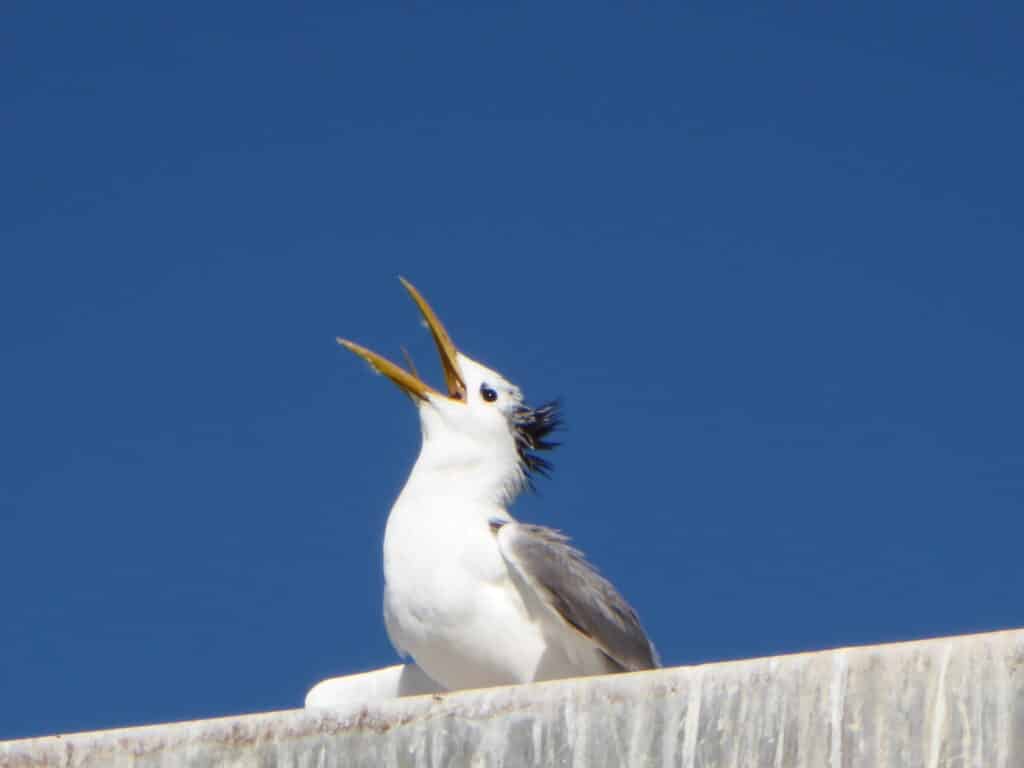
x=475, y=597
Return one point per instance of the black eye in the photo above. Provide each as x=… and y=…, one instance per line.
x=488, y=394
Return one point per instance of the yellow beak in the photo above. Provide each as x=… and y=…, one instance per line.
x=410, y=382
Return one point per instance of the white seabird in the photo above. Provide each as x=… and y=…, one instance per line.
x=475, y=597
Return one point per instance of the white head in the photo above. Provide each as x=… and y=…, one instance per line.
x=480, y=434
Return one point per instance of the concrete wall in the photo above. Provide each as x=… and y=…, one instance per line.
x=947, y=702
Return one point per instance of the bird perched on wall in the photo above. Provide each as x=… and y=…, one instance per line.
x=475, y=597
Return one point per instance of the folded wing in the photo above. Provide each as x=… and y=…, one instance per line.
x=578, y=595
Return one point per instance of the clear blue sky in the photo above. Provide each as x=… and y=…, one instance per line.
x=771, y=260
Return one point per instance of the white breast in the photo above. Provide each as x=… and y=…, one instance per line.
x=450, y=602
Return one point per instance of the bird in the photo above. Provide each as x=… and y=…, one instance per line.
x=475, y=597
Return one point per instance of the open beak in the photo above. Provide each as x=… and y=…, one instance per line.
x=410, y=382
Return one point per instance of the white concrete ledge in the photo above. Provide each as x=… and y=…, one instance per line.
x=935, y=703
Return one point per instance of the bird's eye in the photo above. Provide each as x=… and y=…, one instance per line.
x=488, y=394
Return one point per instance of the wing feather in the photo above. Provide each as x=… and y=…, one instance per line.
x=573, y=589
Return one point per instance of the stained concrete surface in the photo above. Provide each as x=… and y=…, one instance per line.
x=947, y=702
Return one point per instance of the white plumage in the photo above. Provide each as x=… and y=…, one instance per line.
x=476, y=598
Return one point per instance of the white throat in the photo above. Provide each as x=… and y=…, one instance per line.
x=455, y=462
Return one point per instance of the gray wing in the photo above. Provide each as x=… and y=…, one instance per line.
x=577, y=593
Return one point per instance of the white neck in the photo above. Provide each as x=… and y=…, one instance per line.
x=457, y=466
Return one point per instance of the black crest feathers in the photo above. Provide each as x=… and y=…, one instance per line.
x=532, y=428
